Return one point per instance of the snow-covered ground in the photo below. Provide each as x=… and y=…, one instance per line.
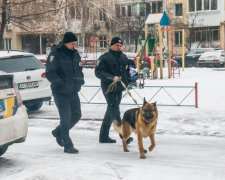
x=190, y=141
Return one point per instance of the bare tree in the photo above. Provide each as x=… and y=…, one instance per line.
x=132, y=23
x=191, y=26
x=3, y=21
x=34, y=16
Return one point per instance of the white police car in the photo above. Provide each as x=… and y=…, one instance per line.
x=13, y=114
x=29, y=74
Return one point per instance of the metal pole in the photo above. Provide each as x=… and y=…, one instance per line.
x=152, y=67
x=40, y=45
x=196, y=95
x=160, y=52
x=146, y=39
x=182, y=49
x=169, y=56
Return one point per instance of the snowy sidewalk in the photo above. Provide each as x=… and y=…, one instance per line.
x=175, y=157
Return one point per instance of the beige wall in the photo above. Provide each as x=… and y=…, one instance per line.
x=11, y=35
x=222, y=35
x=170, y=9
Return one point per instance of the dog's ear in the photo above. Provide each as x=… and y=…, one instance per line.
x=145, y=102
x=154, y=104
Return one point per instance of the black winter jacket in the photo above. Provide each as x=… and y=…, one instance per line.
x=64, y=70
x=112, y=64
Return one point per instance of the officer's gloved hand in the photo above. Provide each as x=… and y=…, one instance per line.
x=116, y=78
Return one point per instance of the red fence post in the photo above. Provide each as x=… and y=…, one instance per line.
x=196, y=95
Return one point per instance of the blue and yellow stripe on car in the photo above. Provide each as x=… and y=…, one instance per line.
x=11, y=107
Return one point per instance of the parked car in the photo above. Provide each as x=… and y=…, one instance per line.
x=131, y=55
x=89, y=60
x=192, y=56
x=29, y=75
x=212, y=59
x=13, y=114
x=42, y=58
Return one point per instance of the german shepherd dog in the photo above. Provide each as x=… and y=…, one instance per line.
x=143, y=122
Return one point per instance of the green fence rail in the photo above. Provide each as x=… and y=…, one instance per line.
x=158, y=95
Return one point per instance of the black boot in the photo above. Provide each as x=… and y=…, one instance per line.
x=108, y=140
x=71, y=150
x=58, y=137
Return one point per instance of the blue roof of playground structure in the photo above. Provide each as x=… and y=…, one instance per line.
x=158, y=18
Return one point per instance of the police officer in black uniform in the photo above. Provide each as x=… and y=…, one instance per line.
x=112, y=66
x=64, y=71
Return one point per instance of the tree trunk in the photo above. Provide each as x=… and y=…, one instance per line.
x=2, y=28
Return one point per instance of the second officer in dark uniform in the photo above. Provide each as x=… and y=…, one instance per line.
x=64, y=71
x=111, y=67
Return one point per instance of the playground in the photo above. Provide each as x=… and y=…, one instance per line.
x=155, y=52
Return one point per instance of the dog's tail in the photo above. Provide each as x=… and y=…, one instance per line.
x=117, y=128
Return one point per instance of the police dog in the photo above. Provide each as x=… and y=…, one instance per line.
x=143, y=122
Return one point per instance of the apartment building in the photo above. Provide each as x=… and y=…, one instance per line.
x=30, y=25
x=222, y=32
x=87, y=19
x=102, y=19
x=206, y=18
x=131, y=16
x=177, y=13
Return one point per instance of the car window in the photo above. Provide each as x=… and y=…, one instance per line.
x=192, y=52
x=201, y=51
x=20, y=64
x=223, y=54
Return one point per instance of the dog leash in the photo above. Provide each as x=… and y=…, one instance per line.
x=113, y=87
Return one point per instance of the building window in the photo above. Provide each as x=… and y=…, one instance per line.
x=213, y=4
x=86, y=12
x=160, y=7
x=209, y=35
x=102, y=15
x=72, y=12
x=103, y=44
x=178, y=38
x=7, y=43
x=178, y=10
x=78, y=14
x=157, y=7
x=154, y=10
x=123, y=11
x=117, y=7
x=193, y=36
x=142, y=9
x=199, y=5
x=215, y=35
x=191, y=5
x=198, y=36
x=134, y=9
x=129, y=10
x=148, y=8
x=206, y=35
x=206, y=4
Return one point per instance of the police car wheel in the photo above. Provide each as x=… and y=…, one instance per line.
x=34, y=106
x=3, y=149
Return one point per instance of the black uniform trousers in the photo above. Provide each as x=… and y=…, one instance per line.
x=70, y=113
x=113, y=100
